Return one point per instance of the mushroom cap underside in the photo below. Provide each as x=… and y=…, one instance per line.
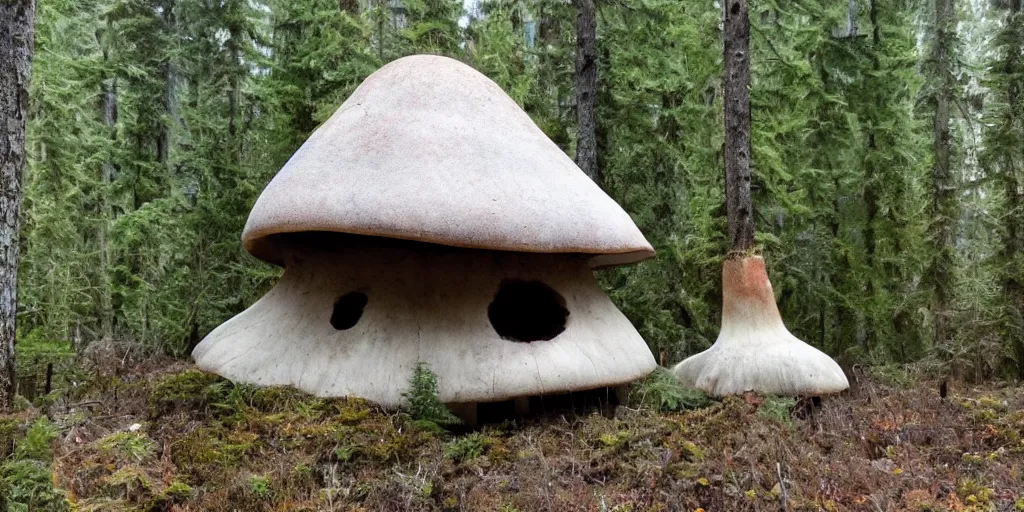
x=429, y=149
x=440, y=306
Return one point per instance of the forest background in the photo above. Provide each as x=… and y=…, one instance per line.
x=888, y=159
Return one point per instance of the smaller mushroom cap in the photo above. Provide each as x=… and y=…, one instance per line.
x=428, y=149
x=754, y=350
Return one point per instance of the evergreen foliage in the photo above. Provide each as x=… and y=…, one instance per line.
x=156, y=123
x=661, y=391
x=26, y=483
x=421, y=398
x=1003, y=162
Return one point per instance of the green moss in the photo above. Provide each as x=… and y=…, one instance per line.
x=350, y=411
x=691, y=451
x=26, y=482
x=178, y=491
x=209, y=452
x=778, y=408
x=613, y=440
x=36, y=444
x=974, y=493
x=992, y=403
x=130, y=483
x=972, y=460
x=188, y=390
x=394, y=447
x=347, y=452
x=985, y=415
x=174, y=494
x=467, y=447
x=10, y=430
x=286, y=399
x=135, y=446
x=259, y=486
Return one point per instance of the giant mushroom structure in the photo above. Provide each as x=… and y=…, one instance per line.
x=429, y=219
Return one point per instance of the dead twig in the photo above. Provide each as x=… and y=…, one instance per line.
x=783, y=495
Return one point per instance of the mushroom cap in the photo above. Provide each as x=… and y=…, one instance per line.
x=754, y=350
x=429, y=149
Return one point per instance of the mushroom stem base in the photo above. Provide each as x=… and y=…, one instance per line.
x=754, y=350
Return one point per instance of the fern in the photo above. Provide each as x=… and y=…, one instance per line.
x=26, y=483
x=662, y=392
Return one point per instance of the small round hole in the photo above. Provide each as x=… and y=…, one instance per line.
x=347, y=310
x=527, y=311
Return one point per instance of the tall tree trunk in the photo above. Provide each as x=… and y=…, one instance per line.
x=170, y=94
x=108, y=107
x=1013, y=245
x=586, y=88
x=871, y=179
x=349, y=6
x=233, y=94
x=16, y=46
x=943, y=184
x=851, y=18
x=739, y=205
x=381, y=6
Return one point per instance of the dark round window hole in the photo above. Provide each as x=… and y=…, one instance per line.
x=347, y=310
x=527, y=311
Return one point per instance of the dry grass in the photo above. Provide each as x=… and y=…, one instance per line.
x=206, y=445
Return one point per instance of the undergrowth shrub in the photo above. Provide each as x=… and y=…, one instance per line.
x=662, y=392
x=26, y=483
x=422, y=402
x=35, y=351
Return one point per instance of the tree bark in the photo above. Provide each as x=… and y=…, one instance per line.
x=851, y=19
x=1013, y=245
x=871, y=170
x=739, y=205
x=108, y=109
x=871, y=177
x=943, y=185
x=586, y=88
x=170, y=94
x=17, y=19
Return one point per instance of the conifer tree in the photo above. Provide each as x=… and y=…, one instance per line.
x=17, y=21
x=586, y=88
x=1003, y=160
x=944, y=91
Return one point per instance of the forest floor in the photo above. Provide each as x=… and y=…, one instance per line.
x=165, y=436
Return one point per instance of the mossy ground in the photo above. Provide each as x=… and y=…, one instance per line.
x=204, y=444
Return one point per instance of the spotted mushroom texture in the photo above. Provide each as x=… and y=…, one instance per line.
x=754, y=350
x=430, y=220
